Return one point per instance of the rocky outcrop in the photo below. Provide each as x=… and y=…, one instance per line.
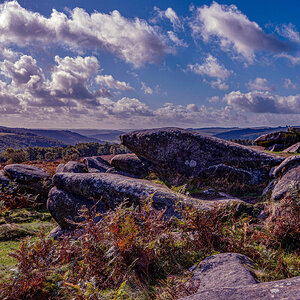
x=276, y=147
x=230, y=276
x=293, y=149
x=65, y=207
x=25, y=174
x=279, y=137
x=294, y=129
x=287, y=178
x=4, y=181
x=71, y=167
x=289, y=181
x=72, y=191
x=183, y=154
x=131, y=163
x=96, y=164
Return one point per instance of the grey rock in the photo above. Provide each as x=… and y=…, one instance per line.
x=71, y=167
x=287, y=289
x=269, y=187
x=293, y=149
x=4, y=181
x=131, y=163
x=115, y=171
x=96, y=164
x=24, y=173
x=113, y=189
x=223, y=270
x=65, y=207
x=279, y=137
x=276, y=147
x=58, y=233
x=290, y=180
x=179, y=152
x=287, y=164
x=230, y=276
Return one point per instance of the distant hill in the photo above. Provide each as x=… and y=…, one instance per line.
x=108, y=135
x=66, y=136
x=238, y=133
x=19, y=138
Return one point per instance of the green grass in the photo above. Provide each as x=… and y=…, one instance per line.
x=6, y=133
x=24, y=221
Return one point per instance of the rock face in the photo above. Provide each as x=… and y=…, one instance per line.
x=280, y=137
x=65, y=207
x=4, y=181
x=188, y=154
x=96, y=164
x=288, y=163
x=290, y=180
x=71, y=167
x=294, y=129
x=72, y=191
x=293, y=149
x=24, y=173
x=276, y=147
x=229, y=276
x=131, y=163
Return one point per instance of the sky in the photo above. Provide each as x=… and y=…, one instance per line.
x=143, y=64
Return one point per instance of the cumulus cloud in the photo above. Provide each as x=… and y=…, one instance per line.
x=146, y=89
x=169, y=14
x=263, y=102
x=111, y=83
x=174, y=38
x=260, y=84
x=233, y=30
x=133, y=40
x=211, y=68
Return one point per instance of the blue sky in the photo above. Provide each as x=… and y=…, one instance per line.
x=123, y=64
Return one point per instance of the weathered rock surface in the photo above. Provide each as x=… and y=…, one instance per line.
x=188, y=153
x=96, y=164
x=4, y=181
x=290, y=180
x=288, y=163
x=112, y=189
x=279, y=137
x=131, y=163
x=276, y=147
x=71, y=167
x=116, y=171
x=293, y=149
x=229, y=276
x=24, y=173
x=65, y=207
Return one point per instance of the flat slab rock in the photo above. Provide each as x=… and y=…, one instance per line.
x=25, y=173
x=189, y=153
x=230, y=276
x=96, y=164
x=293, y=149
x=71, y=167
x=113, y=189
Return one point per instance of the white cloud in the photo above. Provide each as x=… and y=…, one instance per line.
x=219, y=84
x=211, y=68
x=233, y=30
x=169, y=14
x=288, y=84
x=111, y=83
x=263, y=102
x=174, y=38
x=146, y=89
x=295, y=60
x=135, y=41
x=260, y=84
x=290, y=32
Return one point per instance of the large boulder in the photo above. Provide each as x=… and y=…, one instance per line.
x=279, y=137
x=131, y=163
x=294, y=129
x=230, y=276
x=4, y=181
x=112, y=189
x=71, y=167
x=287, y=183
x=182, y=154
x=287, y=164
x=293, y=149
x=96, y=164
x=25, y=173
x=65, y=207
